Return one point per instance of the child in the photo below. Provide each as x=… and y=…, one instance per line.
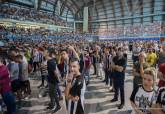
x=142, y=97
x=44, y=72
x=23, y=75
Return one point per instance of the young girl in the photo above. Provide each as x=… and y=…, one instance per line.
x=44, y=72
x=142, y=97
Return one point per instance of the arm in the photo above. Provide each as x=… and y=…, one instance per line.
x=74, y=52
x=118, y=68
x=135, y=73
x=67, y=90
x=141, y=70
x=136, y=109
x=156, y=109
x=132, y=100
x=4, y=77
x=121, y=67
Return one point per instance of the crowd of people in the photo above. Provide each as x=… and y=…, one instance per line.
x=22, y=14
x=20, y=33
x=134, y=30
x=70, y=62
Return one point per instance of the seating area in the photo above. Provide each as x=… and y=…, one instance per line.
x=31, y=15
x=133, y=30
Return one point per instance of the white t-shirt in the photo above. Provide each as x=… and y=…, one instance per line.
x=143, y=99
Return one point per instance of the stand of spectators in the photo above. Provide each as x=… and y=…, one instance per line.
x=30, y=15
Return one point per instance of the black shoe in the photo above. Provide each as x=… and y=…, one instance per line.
x=40, y=86
x=49, y=107
x=121, y=106
x=113, y=100
x=103, y=80
x=87, y=83
x=112, y=90
x=58, y=108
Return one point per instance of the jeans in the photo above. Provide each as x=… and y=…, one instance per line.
x=53, y=88
x=59, y=91
x=99, y=69
x=108, y=77
x=86, y=74
x=9, y=100
x=119, y=86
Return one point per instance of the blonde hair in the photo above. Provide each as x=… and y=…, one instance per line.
x=152, y=72
x=143, y=53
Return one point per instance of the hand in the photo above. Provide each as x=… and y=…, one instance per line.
x=119, y=68
x=70, y=77
x=113, y=66
x=161, y=76
x=71, y=48
x=140, y=112
x=75, y=98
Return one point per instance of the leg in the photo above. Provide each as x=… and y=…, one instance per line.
x=94, y=65
x=43, y=79
x=28, y=87
x=97, y=69
x=111, y=79
x=107, y=77
x=9, y=100
x=122, y=96
x=35, y=65
x=116, y=89
x=51, y=95
x=59, y=91
x=56, y=96
x=88, y=74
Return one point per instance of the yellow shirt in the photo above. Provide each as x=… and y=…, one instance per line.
x=151, y=59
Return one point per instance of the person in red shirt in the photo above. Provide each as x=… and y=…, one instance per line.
x=5, y=89
x=87, y=65
x=161, y=75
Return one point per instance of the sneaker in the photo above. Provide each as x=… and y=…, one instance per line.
x=110, y=88
x=58, y=108
x=39, y=95
x=27, y=97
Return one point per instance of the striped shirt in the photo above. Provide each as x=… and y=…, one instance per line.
x=44, y=71
x=78, y=89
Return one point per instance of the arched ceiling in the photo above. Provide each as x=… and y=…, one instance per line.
x=108, y=9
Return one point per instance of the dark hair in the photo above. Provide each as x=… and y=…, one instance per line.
x=51, y=53
x=19, y=57
x=119, y=49
x=73, y=59
x=2, y=60
x=64, y=50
